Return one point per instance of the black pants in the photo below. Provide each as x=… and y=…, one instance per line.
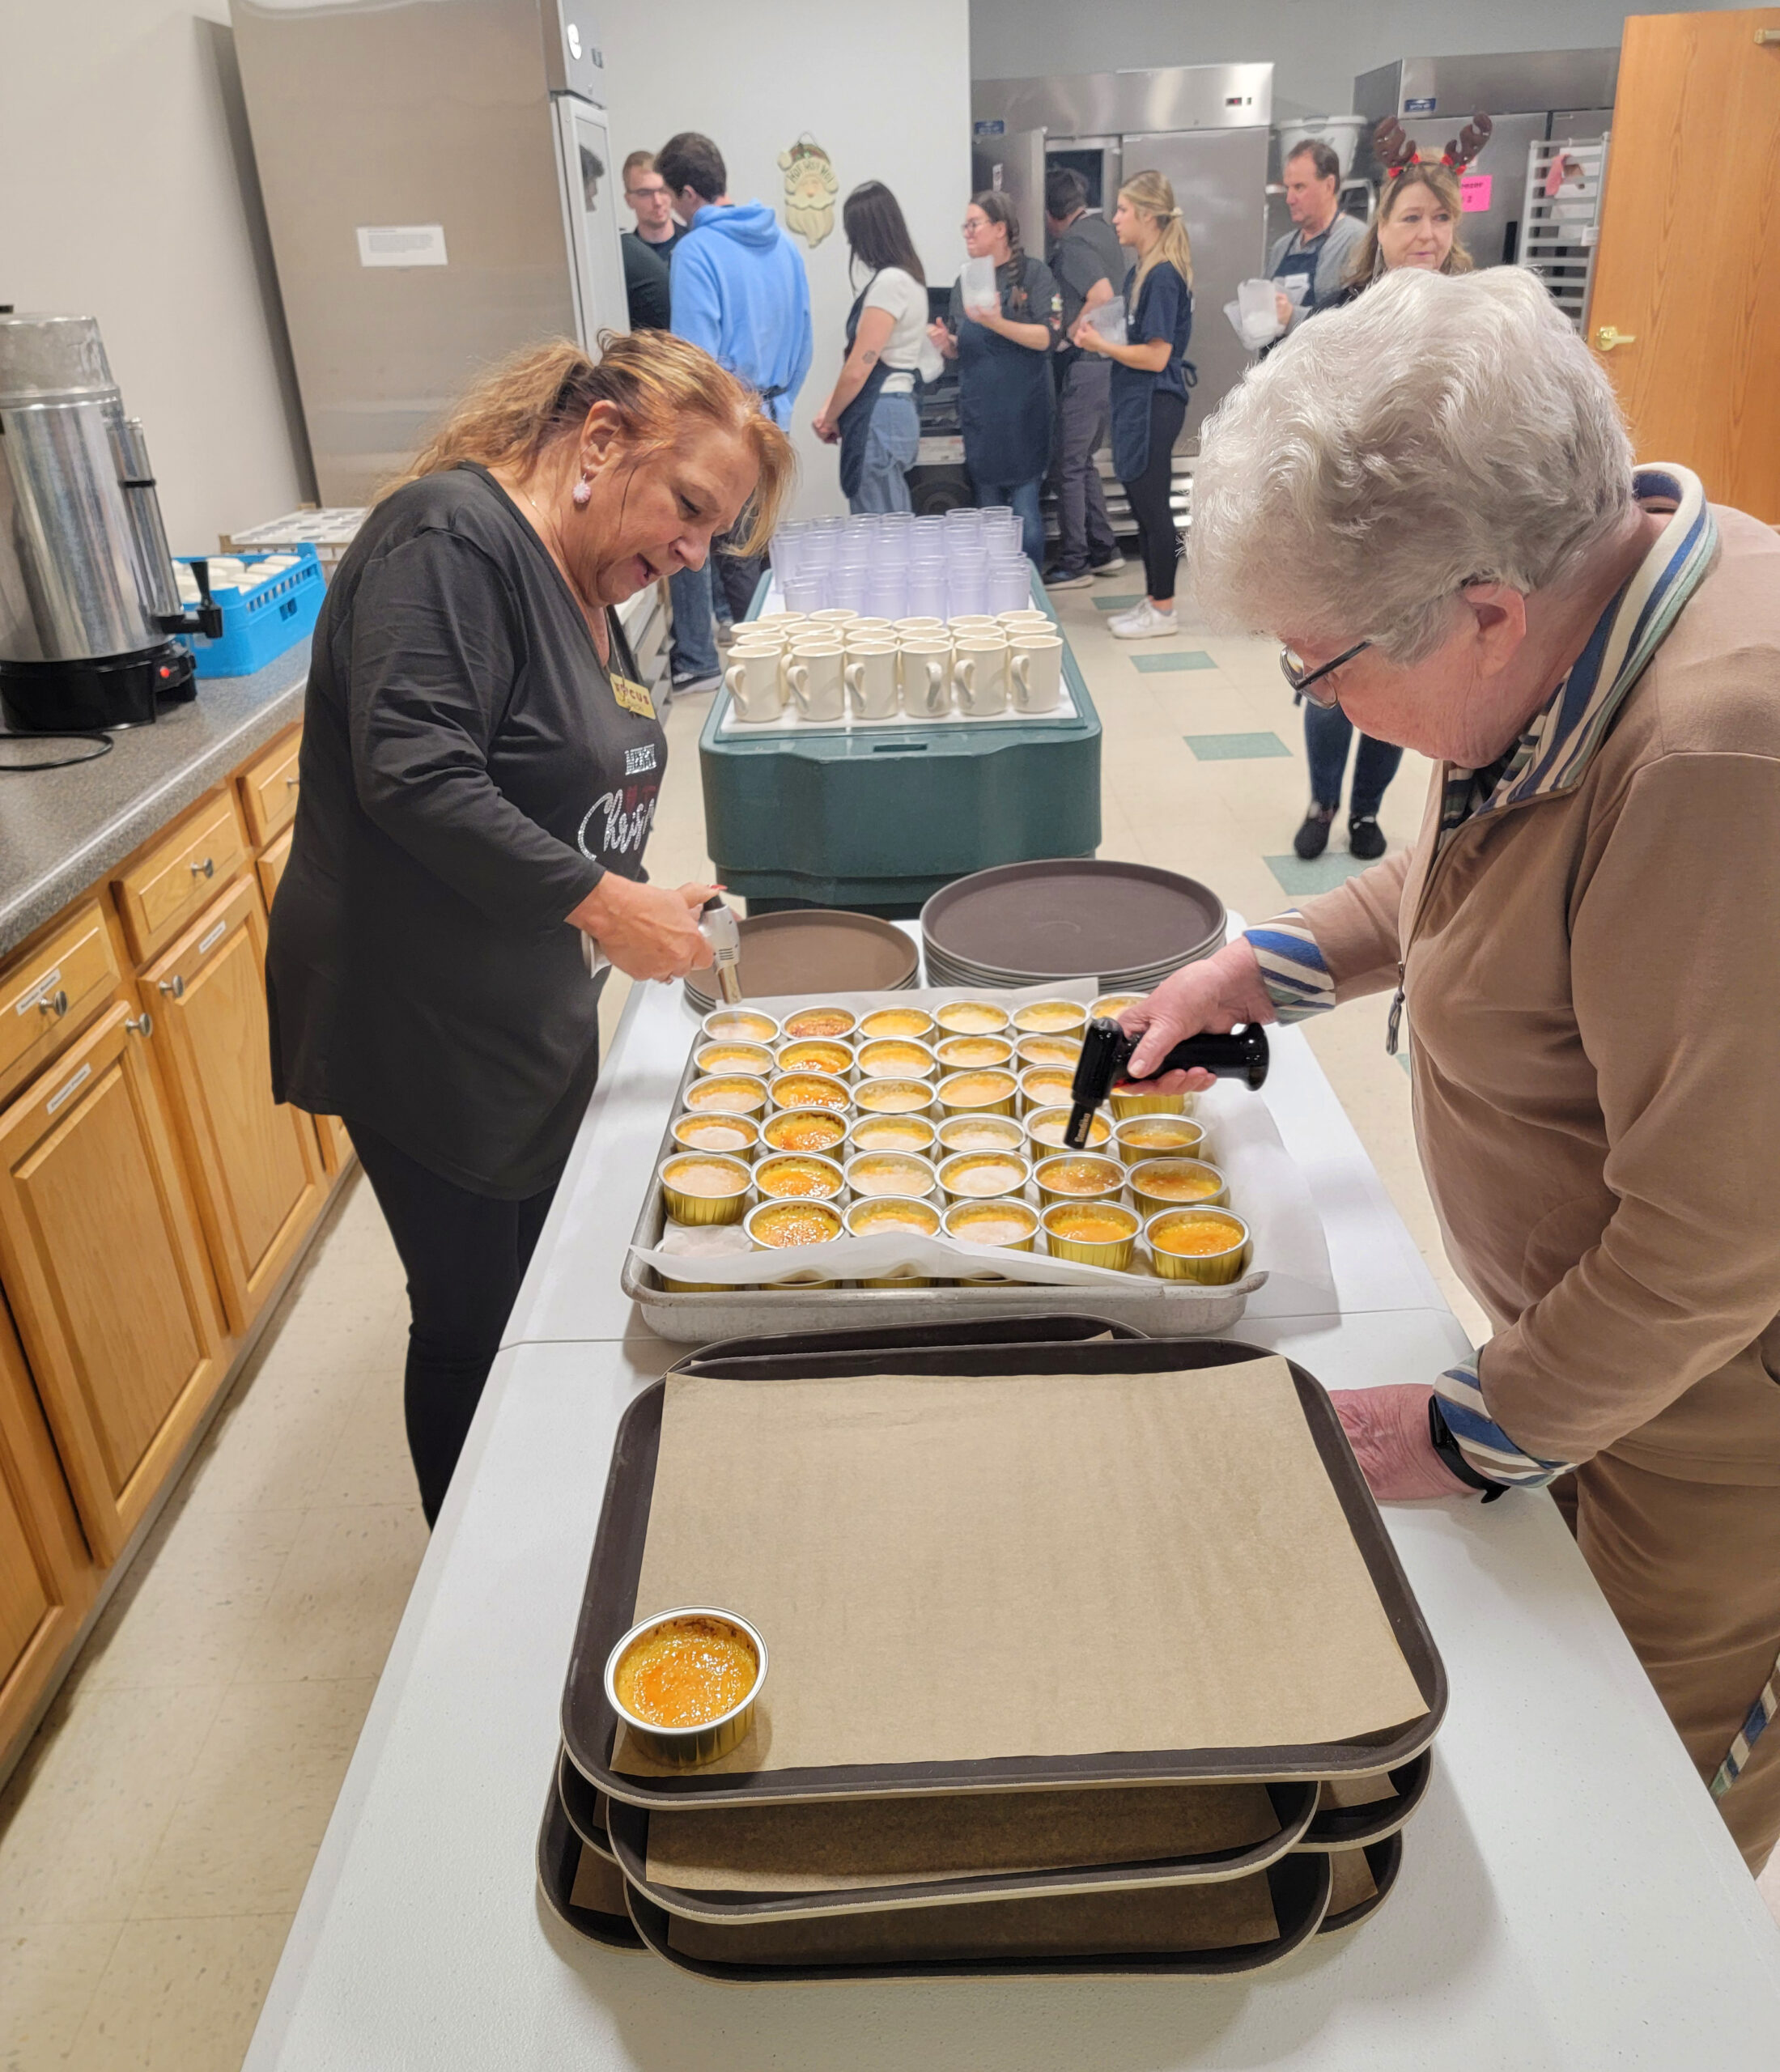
x=1158, y=540
x=465, y=1256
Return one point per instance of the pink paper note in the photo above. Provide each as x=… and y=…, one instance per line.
x=1474, y=192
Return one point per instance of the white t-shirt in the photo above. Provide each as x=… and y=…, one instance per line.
x=905, y=299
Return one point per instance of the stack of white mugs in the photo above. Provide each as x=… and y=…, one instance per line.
x=828, y=667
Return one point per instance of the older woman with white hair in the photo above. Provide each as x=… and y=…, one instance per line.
x=1431, y=501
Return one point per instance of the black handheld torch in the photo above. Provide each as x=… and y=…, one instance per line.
x=1106, y=1051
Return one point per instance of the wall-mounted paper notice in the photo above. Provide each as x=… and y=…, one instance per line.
x=1474, y=192
x=402, y=244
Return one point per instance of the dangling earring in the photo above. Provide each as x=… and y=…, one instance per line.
x=582, y=494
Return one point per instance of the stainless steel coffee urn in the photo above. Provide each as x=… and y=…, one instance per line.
x=87, y=601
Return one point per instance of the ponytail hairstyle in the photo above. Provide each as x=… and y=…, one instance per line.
x=871, y=218
x=540, y=397
x=1153, y=194
x=997, y=206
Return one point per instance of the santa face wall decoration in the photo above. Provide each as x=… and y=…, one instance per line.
x=810, y=188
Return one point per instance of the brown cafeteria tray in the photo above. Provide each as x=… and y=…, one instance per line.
x=816, y=952
x=1383, y=1860
x=589, y=1727
x=736, y=1356
x=1357, y=1826
x=628, y=1833
x=1070, y=917
x=559, y=1853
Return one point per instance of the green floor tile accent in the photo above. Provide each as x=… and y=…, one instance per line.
x=1322, y=874
x=1194, y=658
x=1105, y=604
x=1235, y=748
x=1402, y=1059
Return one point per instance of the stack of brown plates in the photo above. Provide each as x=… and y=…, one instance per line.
x=887, y=1817
x=818, y=952
x=1125, y=926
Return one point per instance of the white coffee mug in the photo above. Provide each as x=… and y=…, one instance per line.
x=862, y=625
x=926, y=677
x=812, y=676
x=756, y=688
x=835, y=617
x=1035, y=667
x=770, y=640
x=1032, y=620
x=781, y=620
x=871, y=681
x=975, y=623
x=919, y=625
x=979, y=669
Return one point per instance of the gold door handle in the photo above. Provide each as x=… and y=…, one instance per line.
x=1606, y=338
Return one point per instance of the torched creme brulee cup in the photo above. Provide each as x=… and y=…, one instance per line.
x=706, y=1187
x=1211, y=1246
x=733, y=1657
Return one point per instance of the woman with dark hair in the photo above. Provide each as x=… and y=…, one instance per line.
x=1006, y=397
x=871, y=414
x=480, y=771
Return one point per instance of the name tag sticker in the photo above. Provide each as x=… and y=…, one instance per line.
x=402, y=244
x=1474, y=192
x=634, y=697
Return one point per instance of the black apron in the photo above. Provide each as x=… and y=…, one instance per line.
x=855, y=420
x=1005, y=399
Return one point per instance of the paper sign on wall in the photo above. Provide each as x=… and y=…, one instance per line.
x=1474, y=193
x=402, y=244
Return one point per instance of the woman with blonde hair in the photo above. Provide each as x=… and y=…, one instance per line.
x=479, y=773
x=1151, y=375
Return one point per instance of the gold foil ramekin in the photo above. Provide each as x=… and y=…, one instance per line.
x=913, y=1134
x=771, y=1172
x=685, y=1125
x=826, y=1211
x=1128, y=1138
x=706, y=1209
x=811, y=1089
x=954, y=1169
x=959, y=1093
x=1008, y=1133
x=686, y=1746
x=826, y=1008
x=1208, y=1269
x=914, y=1173
x=1111, y=1174
x=970, y=1018
x=1152, y=1204
x=1123, y=1103
x=957, y=1224
x=739, y=1025
x=1112, y=1253
x=1045, y=1086
x=883, y=1021
x=825, y=1054
x=896, y=1057
x=783, y=1122
x=867, y=1215
x=1046, y=1126
x=708, y=1097
x=974, y=1053
x=727, y=1057
x=894, y=1097
x=1049, y=1053
x=1110, y=1006
x=1050, y=1018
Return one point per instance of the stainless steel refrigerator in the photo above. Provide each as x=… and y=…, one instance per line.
x=1205, y=127
x=440, y=187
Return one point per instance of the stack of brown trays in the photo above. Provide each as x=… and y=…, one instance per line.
x=1046, y=1853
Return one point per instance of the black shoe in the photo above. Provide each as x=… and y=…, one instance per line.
x=1365, y=838
x=1312, y=838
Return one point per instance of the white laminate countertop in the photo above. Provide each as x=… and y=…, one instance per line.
x=1569, y=1899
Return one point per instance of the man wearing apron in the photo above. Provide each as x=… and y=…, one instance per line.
x=1318, y=251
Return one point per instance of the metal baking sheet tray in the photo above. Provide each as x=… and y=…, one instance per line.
x=589, y=1726
x=1300, y=1886
x=1294, y=1804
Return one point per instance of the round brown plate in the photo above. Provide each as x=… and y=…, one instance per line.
x=815, y=952
x=1070, y=917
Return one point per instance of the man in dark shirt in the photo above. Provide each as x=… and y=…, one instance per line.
x=1089, y=266
x=649, y=247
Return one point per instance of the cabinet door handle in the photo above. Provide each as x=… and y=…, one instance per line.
x=291, y=783
x=207, y=868
x=141, y=1025
x=55, y=1003
x=176, y=986
x=1607, y=337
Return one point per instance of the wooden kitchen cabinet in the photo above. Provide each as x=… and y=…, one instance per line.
x=105, y=1269
x=48, y=995
x=257, y=1166
x=271, y=866
x=47, y=1576
x=269, y=788
x=336, y=1153
x=162, y=891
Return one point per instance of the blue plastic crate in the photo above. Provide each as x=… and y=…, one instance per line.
x=260, y=620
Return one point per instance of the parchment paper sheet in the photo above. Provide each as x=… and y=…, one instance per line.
x=1353, y=1880
x=1357, y=1791
x=599, y=1883
x=1172, y=1918
x=838, y=1847
x=950, y=1569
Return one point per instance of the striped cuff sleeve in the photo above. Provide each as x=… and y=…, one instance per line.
x=1482, y=1440
x=1298, y=979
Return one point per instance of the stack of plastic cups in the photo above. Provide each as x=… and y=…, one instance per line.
x=1009, y=582
x=926, y=593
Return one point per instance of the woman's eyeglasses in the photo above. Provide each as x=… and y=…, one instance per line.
x=1299, y=674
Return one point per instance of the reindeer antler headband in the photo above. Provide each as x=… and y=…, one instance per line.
x=1397, y=154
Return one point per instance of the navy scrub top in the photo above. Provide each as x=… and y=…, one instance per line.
x=1164, y=310
x=1005, y=392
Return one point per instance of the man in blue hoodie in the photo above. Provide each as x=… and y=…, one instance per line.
x=740, y=290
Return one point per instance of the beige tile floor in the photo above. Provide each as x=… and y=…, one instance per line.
x=155, y=1842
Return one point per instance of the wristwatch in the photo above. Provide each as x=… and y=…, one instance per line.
x=1440, y=1435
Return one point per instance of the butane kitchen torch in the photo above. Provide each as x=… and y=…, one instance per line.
x=1107, y=1050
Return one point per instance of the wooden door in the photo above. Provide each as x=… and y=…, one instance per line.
x=105, y=1272
x=1687, y=280
x=257, y=1164
x=47, y=1576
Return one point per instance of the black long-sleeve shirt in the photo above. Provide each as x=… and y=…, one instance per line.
x=469, y=771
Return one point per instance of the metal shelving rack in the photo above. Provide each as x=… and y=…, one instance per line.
x=1559, y=233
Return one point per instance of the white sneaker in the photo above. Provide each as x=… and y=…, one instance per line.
x=1145, y=623
x=1108, y=567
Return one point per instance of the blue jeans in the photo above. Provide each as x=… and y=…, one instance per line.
x=1024, y=498
x=694, y=651
x=1328, y=731
x=892, y=441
